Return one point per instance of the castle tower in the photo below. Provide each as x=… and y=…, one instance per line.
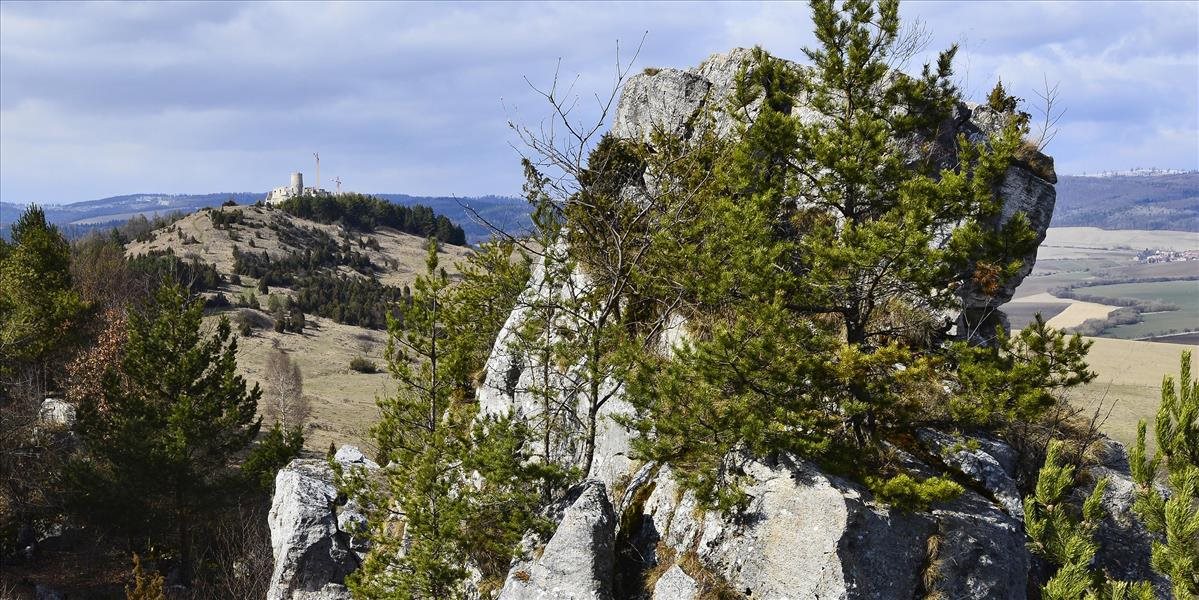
x=297, y=183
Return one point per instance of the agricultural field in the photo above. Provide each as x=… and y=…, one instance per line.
x=1128, y=386
x=1089, y=260
x=1184, y=294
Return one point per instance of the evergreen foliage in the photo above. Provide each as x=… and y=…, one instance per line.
x=277, y=448
x=365, y=213
x=1173, y=517
x=162, y=438
x=1067, y=540
x=193, y=274
x=359, y=301
x=463, y=493
x=37, y=301
x=814, y=260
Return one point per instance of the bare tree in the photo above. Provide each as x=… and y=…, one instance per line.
x=1051, y=113
x=284, y=394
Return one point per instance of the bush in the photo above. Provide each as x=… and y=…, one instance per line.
x=363, y=365
x=219, y=300
x=272, y=453
x=906, y=493
x=253, y=318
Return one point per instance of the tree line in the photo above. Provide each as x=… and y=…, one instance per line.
x=360, y=212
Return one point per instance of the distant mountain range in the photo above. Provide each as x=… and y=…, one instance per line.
x=1167, y=200
x=509, y=214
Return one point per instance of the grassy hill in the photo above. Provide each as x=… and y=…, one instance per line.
x=342, y=400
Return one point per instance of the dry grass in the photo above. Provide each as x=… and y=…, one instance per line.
x=400, y=256
x=1128, y=387
x=1107, y=239
x=342, y=400
x=1078, y=313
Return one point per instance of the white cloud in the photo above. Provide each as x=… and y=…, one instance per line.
x=101, y=99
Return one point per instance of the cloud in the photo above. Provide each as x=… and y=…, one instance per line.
x=99, y=99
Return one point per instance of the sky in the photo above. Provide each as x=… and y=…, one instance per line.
x=103, y=99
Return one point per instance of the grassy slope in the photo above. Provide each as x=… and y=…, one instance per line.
x=1128, y=387
x=343, y=401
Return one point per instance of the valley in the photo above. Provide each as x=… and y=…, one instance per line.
x=1130, y=359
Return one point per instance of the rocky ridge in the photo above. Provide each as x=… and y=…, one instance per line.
x=629, y=531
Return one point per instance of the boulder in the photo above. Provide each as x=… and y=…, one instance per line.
x=310, y=537
x=578, y=561
x=56, y=413
x=806, y=534
x=675, y=585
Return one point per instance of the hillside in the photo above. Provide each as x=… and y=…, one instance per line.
x=1169, y=202
x=342, y=400
x=399, y=257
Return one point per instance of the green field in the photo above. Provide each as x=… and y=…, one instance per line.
x=1185, y=294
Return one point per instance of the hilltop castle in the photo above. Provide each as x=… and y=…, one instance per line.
x=296, y=188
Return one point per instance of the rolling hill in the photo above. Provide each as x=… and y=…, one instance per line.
x=1153, y=202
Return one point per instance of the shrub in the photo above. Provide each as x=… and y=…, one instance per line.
x=906, y=493
x=363, y=365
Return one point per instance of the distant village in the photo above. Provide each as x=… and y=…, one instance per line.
x=1166, y=256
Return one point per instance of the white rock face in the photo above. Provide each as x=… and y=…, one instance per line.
x=805, y=534
x=577, y=563
x=980, y=466
x=56, y=413
x=511, y=378
x=672, y=99
x=310, y=538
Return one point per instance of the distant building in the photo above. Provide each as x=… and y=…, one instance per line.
x=295, y=188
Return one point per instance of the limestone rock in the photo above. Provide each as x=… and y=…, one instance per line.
x=511, y=377
x=675, y=585
x=979, y=466
x=56, y=413
x=312, y=546
x=673, y=98
x=805, y=534
x=578, y=562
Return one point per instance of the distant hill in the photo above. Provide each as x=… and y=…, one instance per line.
x=1121, y=201
x=1132, y=201
x=509, y=214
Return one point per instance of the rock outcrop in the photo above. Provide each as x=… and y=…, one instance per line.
x=802, y=532
x=806, y=534
x=310, y=533
x=512, y=383
x=56, y=413
x=577, y=563
x=674, y=100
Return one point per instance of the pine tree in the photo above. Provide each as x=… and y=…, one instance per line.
x=1174, y=517
x=1068, y=542
x=815, y=259
x=458, y=491
x=162, y=438
x=37, y=302
x=420, y=438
